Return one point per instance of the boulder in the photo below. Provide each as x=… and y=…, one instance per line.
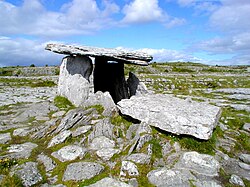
x=106, y=153
x=68, y=153
x=28, y=173
x=79, y=171
x=74, y=78
x=48, y=163
x=21, y=150
x=170, y=177
x=128, y=168
x=172, y=114
x=135, y=86
x=139, y=158
x=109, y=182
x=104, y=99
x=236, y=180
x=4, y=138
x=60, y=138
x=199, y=163
x=101, y=142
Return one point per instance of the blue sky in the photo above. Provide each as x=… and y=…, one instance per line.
x=205, y=31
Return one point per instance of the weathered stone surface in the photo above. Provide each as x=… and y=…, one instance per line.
x=128, y=168
x=41, y=109
x=139, y=158
x=51, y=185
x=106, y=153
x=21, y=150
x=170, y=177
x=82, y=170
x=73, y=80
x=102, y=128
x=204, y=183
x=244, y=166
x=60, y=138
x=48, y=163
x=4, y=138
x=246, y=127
x=28, y=173
x=68, y=153
x=236, y=180
x=200, y=163
x=22, y=131
x=81, y=130
x=245, y=158
x=74, y=117
x=244, y=91
x=101, y=142
x=58, y=114
x=110, y=182
x=136, y=57
x=173, y=114
x=104, y=99
x=135, y=86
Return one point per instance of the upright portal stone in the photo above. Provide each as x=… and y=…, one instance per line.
x=74, y=78
x=109, y=76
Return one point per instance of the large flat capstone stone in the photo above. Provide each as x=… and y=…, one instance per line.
x=172, y=114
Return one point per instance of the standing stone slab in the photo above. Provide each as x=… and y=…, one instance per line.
x=28, y=173
x=172, y=114
x=73, y=80
x=82, y=170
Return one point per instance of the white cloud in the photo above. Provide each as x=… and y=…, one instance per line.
x=25, y=52
x=139, y=11
x=76, y=17
x=166, y=55
x=232, y=16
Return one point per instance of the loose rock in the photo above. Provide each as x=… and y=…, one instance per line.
x=173, y=114
x=110, y=182
x=4, y=138
x=60, y=138
x=68, y=153
x=82, y=170
x=236, y=180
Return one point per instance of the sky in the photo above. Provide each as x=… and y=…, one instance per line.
x=213, y=32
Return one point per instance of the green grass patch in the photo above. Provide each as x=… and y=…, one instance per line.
x=11, y=181
x=45, y=83
x=87, y=182
x=63, y=103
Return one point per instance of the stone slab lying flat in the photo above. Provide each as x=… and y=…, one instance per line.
x=135, y=57
x=172, y=114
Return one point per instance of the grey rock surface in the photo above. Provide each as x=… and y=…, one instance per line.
x=172, y=114
x=104, y=99
x=60, y=138
x=101, y=142
x=73, y=79
x=22, y=131
x=135, y=57
x=81, y=130
x=135, y=86
x=82, y=170
x=199, y=163
x=170, y=177
x=74, y=117
x=109, y=182
x=245, y=158
x=236, y=180
x=107, y=153
x=69, y=152
x=4, y=138
x=28, y=173
x=139, y=158
x=102, y=128
x=21, y=150
x=246, y=127
x=48, y=163
x=128, y=168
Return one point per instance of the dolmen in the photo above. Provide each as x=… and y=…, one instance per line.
x=108, y=73
x=166, y=112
